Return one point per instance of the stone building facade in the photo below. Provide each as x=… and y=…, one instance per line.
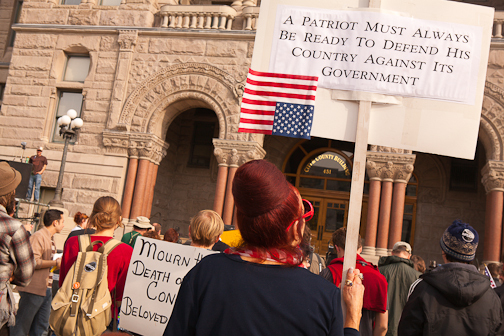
x=158, y=84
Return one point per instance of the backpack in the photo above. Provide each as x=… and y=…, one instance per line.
x=82, y=306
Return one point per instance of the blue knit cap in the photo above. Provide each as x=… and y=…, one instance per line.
x=460, y=241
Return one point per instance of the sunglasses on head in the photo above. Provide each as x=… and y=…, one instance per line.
x=307, y=213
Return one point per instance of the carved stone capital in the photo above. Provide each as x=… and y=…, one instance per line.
x=148, y=147
x=232, y=153
x=390, y=166
x=135, y=145
x=127, y=39
x=493, y=176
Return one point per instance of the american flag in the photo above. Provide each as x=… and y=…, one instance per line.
x=278, y=104
x=488, y=274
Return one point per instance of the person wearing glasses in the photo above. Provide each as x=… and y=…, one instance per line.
x=260, y=288
x=374, y=320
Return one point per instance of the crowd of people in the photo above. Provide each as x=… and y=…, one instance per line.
x=278, y=284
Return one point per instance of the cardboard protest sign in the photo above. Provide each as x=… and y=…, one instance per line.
x=155, y=273
x=423, y=62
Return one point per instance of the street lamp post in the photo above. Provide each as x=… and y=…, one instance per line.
x=69, y=126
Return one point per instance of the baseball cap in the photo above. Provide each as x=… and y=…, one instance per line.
x=401, y=243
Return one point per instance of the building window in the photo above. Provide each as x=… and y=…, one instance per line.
x=17, y=14
x=70, y=2
x=202, y=146
x=110, y=2
x=67, y=100
x=77, y=68
x=2, y=89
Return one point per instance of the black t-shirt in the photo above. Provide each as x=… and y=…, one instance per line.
x=225, y=295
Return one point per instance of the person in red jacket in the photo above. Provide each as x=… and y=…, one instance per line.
x=106, y=217
x=374, y=319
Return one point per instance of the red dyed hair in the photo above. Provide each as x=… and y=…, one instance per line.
x=265, y=206
x=80, y=217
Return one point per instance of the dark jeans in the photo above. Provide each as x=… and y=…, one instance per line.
x=33, y=314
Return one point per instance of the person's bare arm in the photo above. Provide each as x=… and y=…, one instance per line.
x=43, y=169
x=381, y=324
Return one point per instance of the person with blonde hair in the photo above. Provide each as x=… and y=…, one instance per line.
x=205, y=229
x=106, y=218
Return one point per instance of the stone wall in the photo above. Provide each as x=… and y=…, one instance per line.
x=438, y=207
x=6, y=16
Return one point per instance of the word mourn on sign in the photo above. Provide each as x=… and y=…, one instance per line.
x=377, y=52
x=155, y=273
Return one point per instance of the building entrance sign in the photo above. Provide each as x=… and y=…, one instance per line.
x=378, y=52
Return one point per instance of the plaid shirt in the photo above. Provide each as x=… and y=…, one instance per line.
x=16, y=255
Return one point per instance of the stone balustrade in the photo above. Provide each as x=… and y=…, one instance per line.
x=250, y=15
x=197, y=17
x=497, y=25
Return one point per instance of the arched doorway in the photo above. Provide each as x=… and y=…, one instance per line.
x=321, y=169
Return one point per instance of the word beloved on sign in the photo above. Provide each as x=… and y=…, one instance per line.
x=377, y=52
x=155, y=273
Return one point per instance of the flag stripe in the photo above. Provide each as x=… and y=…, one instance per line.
x=256, y=121
x=279, y=100
x=281, y=85
x=258, y=112
x=276, y=75
x=279, y=89
x=282, y=80
x=257, y=127
x=258, y=102
x=279, y=94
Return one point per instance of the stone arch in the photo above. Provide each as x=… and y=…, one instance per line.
x=492, y=122
x=196, y=84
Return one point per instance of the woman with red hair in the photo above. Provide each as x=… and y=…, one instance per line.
x=260, y=288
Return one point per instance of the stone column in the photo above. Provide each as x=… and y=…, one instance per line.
x=220, y=188
x=139, y=195
x=148, y=187
x=396, y=217
x=127, y=41
x=388, y=165
x=402, y=175
x=236, y=153
x=129, y=187
x=150, y=197
x=493, y=180
x=372, y=217
x=227, y=215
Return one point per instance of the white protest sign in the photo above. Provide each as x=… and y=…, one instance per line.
x=430, y=107
x=155, y=274
x=378, y=52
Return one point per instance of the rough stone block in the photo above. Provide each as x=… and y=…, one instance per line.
x=92, y=183
x=25, y=90
x=126, y=18
x=21, y=122
x=35, y=41
x=19, y=81
x=31, y=52
x=37, y=74
x=48, y=16
x=20, y=133
x=31, y=63
x=90, y=42
x=106, y=66
x=222, y=48
x=14, y=100
x=187, y=47
x=84, y=17
x=104, y=77
x=94, y=117
x=108, y=43
x=89, y=139
x=102, y=85
x=96, y=106
x=88, y=197
x=103, y=94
